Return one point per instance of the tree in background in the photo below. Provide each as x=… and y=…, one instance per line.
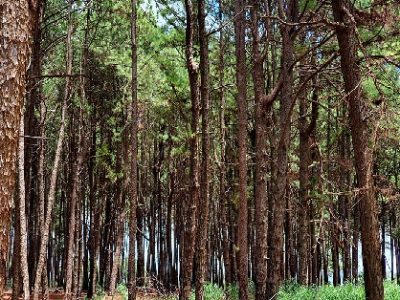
x=170, y=144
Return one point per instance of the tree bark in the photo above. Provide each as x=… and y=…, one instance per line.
x=241, y=99
x=192, y=201
x=133, y=189
x=274, y=278
x=22, y=212
x=260, y=192
x=203, y=218
x=14, y=52
x=347, y=38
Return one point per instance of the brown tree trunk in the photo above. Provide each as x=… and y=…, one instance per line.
x=53, y=180
x=303, y=209
x=347, y=38
x=32, y=129
x=223, y=206
x=120, y=225
x=344, y=203
x=133, y=188
x=72, y=250
x=241, y=98
x=202, y=223
x=93, y=202
x=192, y=201
x=274, y=278
x=16, y=266
x=260, y=192
x=14, y=53
x=355, y=241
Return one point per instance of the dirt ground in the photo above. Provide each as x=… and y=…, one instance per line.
x=58, y=295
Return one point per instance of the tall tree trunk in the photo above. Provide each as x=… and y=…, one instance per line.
x=120, y=226
x=303, y=210
x=93, y=202
x=14, y=53
x=133, y=192
x=202, y=223
x=344, y=203
x=223, y=205
x=241, y=98
x=260, y=192
x=347, y=38
x=274, y=278
x=72, y=250
x=53, y=180
x=32, y=129
x=192, y=201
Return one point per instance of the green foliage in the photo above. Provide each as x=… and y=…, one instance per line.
x=292, y=291
x=122, y=290
x=211, y=292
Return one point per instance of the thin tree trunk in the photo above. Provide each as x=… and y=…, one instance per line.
x=76, y=190
x=53, y=180
x=133, y=189
x=241, y=98
x=119, y=242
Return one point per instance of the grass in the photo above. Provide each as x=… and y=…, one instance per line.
x=290, y=291
x=327, y=292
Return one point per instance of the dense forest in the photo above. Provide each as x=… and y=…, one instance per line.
x=185, y=148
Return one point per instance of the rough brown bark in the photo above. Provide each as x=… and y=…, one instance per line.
x=260, y=192
x=241, y=99
x=133, y=188
x=192, y=201
x=14, y=53
x=32, y=128
x=303, y=209
x=203, y=218
x=22, y=212
x=344, y=202
x=222, y=163
x=275, y=263
x=348, y=45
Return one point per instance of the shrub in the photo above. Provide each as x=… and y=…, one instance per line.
x=292, y=291
x=211, y=292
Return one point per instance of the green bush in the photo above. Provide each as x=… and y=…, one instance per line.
x=292, y=291
x=211, y=292
x=122, y=290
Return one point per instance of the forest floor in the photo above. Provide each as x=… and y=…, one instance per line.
x=289, y=291
x=58, y=295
